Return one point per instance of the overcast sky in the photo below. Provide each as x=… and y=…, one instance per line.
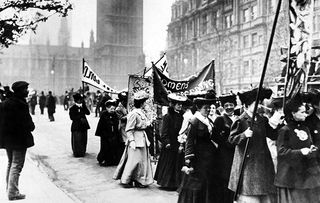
x=157, y=14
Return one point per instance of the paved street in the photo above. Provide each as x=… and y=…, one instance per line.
x=82, y=179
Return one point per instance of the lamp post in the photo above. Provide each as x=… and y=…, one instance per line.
x=185, y=62
x=53, y=80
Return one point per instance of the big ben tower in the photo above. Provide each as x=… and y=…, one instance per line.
x=118, y=50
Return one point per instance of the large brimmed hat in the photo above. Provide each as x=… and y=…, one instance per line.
x=77, y=96
x=111, y=102
x=249, y=97
x=209, y=98
x=123, y=96
x=231, y=98
x=18, y=85
x=173, y=97
x=140, y=95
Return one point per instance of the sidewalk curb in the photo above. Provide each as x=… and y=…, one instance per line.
x=44, y=167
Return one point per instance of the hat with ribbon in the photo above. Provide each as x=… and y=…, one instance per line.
x=175, y=98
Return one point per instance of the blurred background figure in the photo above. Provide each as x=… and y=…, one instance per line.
x=89, y=101
x=33, y=102
x=66, y=100
x=51, y=106
x=42, y=102
x=97, y=99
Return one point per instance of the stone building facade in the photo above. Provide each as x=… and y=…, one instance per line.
x=235, y=33
x=118, y=50
x=57, y=66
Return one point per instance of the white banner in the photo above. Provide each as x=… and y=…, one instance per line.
x=91, y=78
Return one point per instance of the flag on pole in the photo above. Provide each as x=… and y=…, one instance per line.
x=162, y=66
x=91, y=78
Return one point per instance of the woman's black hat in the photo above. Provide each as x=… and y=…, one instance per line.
x=231, y=98
x=77, y=96
x=249, y=97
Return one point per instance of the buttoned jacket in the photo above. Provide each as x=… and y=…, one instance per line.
x=137, y=122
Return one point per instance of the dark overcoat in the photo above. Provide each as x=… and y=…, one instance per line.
x=108, y=127
x=78, y=116
x=258, y=173
x=42, y=101
x=16, y=124
x=313, y=123
x=51, y=104
x=221, y=132
x=295, y=170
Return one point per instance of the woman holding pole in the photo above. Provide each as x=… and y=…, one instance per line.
x=256, y=184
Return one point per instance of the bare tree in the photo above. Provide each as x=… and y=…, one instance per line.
x=19, y=16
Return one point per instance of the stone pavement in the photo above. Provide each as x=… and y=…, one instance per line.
x=34, y=182
x=80, y=179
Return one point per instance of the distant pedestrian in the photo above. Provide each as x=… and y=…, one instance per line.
x=42, y=102
x=98, y=98
x=33, y=102
x=51, y=106
x=16, y=126
x=66, y=100
x=110, y=138
x=135, y=164
x=79, y=126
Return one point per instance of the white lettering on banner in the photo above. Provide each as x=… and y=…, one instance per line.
x=177, y=86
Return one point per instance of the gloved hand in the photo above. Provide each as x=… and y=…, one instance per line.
x=248, y=132
x=132, y=145
x=305, y=151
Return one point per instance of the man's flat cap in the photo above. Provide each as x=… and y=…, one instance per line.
x=19, y=84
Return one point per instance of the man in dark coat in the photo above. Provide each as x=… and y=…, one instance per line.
x=79, y=126
x=42, y=102
x=51, y=105
x=16, y=126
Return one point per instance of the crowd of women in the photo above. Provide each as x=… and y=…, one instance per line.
x=202, y=148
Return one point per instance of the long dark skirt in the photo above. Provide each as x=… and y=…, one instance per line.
x=286, y=195
x=202, y=185
x=79, y=143
x=168, y=173
x=110, y=152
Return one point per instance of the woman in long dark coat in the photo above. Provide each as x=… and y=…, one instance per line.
x=298, y=172
x=168, y=172
x=198, y=185
x=221, y=132
x=110, y=139
x=258, y=173
x=79, y=126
